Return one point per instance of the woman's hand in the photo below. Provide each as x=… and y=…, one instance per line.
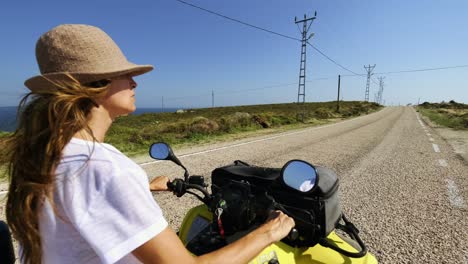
x=159, y=184
x=278, y=225
x=166, y=247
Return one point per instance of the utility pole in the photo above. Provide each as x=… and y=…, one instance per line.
x=306, y=23
x=369, y=70
x=212, y=98
x=338, y=98
x=381, y=87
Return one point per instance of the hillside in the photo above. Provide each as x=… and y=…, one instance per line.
x=134, y=134
x=452, y=114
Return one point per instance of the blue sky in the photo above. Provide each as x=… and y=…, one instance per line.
x=195, y=53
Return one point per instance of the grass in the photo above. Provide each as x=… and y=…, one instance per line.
x=452, y=114
x=133, y=134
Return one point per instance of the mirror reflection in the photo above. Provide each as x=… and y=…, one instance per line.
x=300, y=175
x=159, y=151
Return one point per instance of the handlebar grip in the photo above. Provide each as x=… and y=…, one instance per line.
x=171, y=185
x=177, y=186
x=293, y=234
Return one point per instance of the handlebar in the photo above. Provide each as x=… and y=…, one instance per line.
x=179, y=187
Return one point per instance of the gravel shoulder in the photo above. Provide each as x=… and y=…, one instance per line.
x=457, y=139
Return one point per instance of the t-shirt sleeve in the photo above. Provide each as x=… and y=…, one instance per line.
x=120, y=213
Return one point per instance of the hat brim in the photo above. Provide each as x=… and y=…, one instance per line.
x=52, y=80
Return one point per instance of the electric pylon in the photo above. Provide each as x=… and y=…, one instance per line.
x=369, y=70
x=306, y=23
x=381, y=87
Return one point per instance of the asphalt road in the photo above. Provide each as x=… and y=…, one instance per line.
x=401, y=183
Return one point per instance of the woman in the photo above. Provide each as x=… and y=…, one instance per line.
x=75, y=199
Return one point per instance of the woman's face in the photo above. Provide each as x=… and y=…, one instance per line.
x=120, y=99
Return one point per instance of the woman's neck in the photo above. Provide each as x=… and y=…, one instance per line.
x=99, y=122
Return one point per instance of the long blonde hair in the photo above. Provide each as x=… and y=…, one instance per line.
x=48, y=119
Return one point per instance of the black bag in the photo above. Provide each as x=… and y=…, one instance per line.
x=250, y=193
x=242, y=189
x=316, y=213
x=242, y=171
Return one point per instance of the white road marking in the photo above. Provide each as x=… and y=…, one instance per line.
x=420, y=121
x=431, y=139
x=443, y=163
x=456, y=200
x=428, y=134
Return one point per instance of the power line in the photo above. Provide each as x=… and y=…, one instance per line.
x=336, y=63
x=315, y=48
x=266, y=30
x=245, y=90
x=236, y=20
x=425, y=69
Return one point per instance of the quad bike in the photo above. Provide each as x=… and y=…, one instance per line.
x=242, y=196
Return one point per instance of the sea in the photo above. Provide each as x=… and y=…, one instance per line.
x=8, y=115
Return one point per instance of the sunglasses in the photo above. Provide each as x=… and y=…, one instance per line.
x=99, y=83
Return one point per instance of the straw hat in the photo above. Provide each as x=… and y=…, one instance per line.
x=85, y=52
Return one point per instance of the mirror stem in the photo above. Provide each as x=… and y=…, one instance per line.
x=186, y=174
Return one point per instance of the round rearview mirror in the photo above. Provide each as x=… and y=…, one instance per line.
x=160, y=151
x=299, y=175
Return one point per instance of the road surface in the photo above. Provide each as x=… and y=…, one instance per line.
x=401, y=184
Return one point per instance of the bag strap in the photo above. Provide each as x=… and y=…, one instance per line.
x=240, y=162
x=352, y=231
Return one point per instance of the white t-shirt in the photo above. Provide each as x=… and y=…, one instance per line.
x=104, y=209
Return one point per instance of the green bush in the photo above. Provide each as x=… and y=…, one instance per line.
x=262, y=120
x=203, y=125
x=282, y=120
x=323, y=113
x=4, y=134
x=464, y=120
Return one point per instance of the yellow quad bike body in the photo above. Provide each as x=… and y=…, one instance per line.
x=199, y=218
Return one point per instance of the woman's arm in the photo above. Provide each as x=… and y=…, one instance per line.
x=166, y=247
